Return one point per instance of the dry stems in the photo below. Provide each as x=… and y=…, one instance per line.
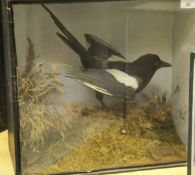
x=36, y=89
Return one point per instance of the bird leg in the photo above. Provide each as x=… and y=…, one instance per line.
x=124, y=129
x=100, y=98
x=124, y=109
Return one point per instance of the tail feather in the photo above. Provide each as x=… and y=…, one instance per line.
x=103, y=85
x=88, y=81
x=70, y=45
x=70, y=39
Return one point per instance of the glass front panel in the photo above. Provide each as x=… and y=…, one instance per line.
x=102, y=85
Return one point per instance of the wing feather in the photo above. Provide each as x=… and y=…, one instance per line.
x=101, y=48
x=103, y=82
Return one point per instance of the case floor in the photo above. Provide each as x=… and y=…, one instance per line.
x=7, y=169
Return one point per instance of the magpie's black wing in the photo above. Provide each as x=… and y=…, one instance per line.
x=71, y=41
x=100, y=48
x=102, y=81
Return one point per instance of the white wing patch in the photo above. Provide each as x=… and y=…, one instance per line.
x=114, y=58
x=99, y=89
x=124, y=78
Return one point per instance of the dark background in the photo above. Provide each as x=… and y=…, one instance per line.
x=3, y=120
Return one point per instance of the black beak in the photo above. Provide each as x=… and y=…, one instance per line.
x=165, y=64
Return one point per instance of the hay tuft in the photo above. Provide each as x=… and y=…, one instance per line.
x=39, y=96
x=37, y=116
x=151, y=139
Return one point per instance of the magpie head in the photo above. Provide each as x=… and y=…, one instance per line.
x=158, y=63
x=146, y=66
x=153, y=61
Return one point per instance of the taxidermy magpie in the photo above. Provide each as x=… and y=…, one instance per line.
x=119, y=79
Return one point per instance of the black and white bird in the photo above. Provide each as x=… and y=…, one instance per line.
x=119, y=79
x=122, y=80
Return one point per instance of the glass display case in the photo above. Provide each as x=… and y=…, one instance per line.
x=99, y=87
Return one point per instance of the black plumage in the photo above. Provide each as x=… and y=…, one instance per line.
x=101, y=49
x=103, y=81
x=144, y=68
x=89, y=58
x=101, y=74
x=121, y=80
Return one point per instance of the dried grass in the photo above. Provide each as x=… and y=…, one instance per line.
x=38, y=116
x=151, y=139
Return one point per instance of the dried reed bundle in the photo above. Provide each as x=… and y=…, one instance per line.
x=38, y=115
